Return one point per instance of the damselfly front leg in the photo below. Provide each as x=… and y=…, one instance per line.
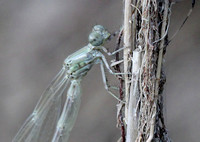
x=112, y=53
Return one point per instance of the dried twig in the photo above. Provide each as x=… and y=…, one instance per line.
x=127, y=50
x=143, y=105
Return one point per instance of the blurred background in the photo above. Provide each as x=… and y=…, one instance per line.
x=36, y=36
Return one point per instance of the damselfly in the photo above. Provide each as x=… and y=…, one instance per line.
x=52, y=120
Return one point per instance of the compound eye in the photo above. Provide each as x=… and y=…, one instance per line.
x=98, y=28
x=95, y=39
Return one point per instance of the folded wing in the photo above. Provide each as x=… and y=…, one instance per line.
x=69, y=112
x=41, y=124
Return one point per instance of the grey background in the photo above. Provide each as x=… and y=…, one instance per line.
x=36, y=36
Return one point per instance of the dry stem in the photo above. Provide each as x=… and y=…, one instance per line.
x=143, y=114
x=127, y=44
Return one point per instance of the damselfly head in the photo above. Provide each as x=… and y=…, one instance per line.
x=98, y=28
x=101, y=30
x=95, y=39
x=98, y=35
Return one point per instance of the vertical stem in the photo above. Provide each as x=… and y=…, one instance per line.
x=120, y=116
x=160, y=56
x=147, y=35
x=134, y=93
x=159, y=66
x=127, y=50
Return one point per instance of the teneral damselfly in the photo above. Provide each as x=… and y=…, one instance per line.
x=52, y=120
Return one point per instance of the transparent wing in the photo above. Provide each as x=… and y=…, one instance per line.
x=40, y=125
x=69, y=113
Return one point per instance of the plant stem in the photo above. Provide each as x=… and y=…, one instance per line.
x=144, y=39
x=127, y=50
